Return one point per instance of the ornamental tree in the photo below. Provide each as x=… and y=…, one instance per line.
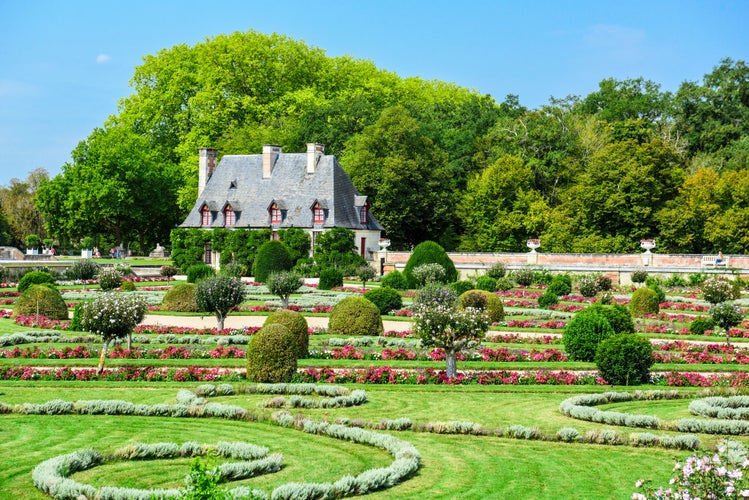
x=113, y=316
x=365, y=273
x=219, y=295
x=726, y=315
x=283, y=284
x=445, y=325
x=716, y=290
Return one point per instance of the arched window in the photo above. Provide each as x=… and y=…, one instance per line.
x=318, y=215
x=205, y=216
x=229, y=217
x=275, y=215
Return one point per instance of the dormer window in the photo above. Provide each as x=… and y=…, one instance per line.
x=275, y=215
x=363, y=210
x=229, y=217
x=318, y=215
x=205, y=216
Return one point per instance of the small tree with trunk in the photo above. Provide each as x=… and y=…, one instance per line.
x=283, y=284
x=365, y=273
x=726, y=315
x=219, y=295
x=113, y=316
x=440, y=322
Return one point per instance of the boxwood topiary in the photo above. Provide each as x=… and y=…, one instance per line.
x=700, y=324
x=548, y=299
x=487, y=283
x=41, y=300
x=618, y=315
x=355, y=316
x=330, y=277
x=272, y=256
x=395, y=279
x=385, y=298
x=199, y=272
x=296, y=324
x=35, y=278
x=583, y=333
x=561, y=284
x=644, y=301
x=625, y=359
x=272, y=355
x=462, y=286
x=488, y=302
x=429, y=252
x=180, y=298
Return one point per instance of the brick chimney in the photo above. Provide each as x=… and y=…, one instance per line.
x=270, y=156
x=314, y=152
x=206, y=165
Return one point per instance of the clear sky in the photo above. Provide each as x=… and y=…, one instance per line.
x=64, y=64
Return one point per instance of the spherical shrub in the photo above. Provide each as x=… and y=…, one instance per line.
x=84, y=269
x=355, y=316
x=561, y=284
x=644, y=301
x=127, y=286
x=487, y=283
x=639, y=276
x=35, y=278
x=428, y=273
x=497, y=271
x=726, y=315
x=109, y=278
x=429, y=252
x=385, y=298
x=603, y=283
x=330, y=278
x=168, y=271
x=583, y=333
x=523, y=276
x=699, y=325
x=461, y=287
x=41, y=300
x=296, y=324
x=199, y=272
x=395, y=279
x=180, y=298
x=506, y=283
x=485, y=301
x=272, y=256
x=272, y=355
x=625, y=359
x=618, y=315
x=717, y=290
x=542, y=276
x=548, y=299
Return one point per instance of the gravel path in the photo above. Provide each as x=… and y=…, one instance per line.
x=236, y=322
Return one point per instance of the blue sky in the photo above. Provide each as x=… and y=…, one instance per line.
x=64, y=64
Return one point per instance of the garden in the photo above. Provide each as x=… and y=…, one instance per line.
x=515, y=384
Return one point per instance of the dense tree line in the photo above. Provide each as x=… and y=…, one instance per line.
x=439, y=162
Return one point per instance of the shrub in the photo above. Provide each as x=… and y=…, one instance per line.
x=84, y=269
x=127, y=286
x=297, y=326
x=542, y=276
x=109, y=278
x=639, y=276
x=548, y=299
x=523, y=276
x=355, y=316
x=168, y=271
x=199, y=272
x=485, y=301
x=41, y=300
x=435, y=294
x=35, y=278
x=307, y=267
x=272, y=256
x=395, y=279
x=696, y=279
x=234, y=270
x=587, y=285
x=486, y=283
x=603, y=283
x=726, y=315
x=283, y=284
x=180, y=298
x=429, y=252
x=717, y=290
x=676, y=280
x=385, y=298
x=497, y=271
x=561, y=284
x=330, y=277
x=583, y=333
x=506, y=283
x=700, y=324
x=272, y=355
x=461, y=287
x=644, y=301
x=659, y=291
x=219, y=295
x=625, y=359
x=365, y=273
x=618, y=315
x=428, y=273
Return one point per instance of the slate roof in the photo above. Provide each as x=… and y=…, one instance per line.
x=238, y=181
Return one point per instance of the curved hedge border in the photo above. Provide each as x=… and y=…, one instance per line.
x=731, y=408
x=339, y=396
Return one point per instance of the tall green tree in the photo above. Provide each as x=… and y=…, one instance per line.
x=18, y=202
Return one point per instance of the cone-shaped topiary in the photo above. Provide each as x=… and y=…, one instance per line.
x=272, y=256
x=583, y=333
x=625, y=359
x=485, y=301
x=644, y=301
x=41, y=300
x=429, y=252
x=271, y=356
x=355, y=316
x=296, y=324
x=180, y=298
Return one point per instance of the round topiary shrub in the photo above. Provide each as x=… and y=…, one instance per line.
x=506, y=283
x=35, y=278
x=330, y=278
x=385, y=298
x=485, y=301
x=548, y=299
x=272, y=256
x=109, y=278
x=395, y=279
x=487, y=283
x=644, y=301
x=618, y=315
x=199, y=272
x=583, y=333
x=716, y=290
x=84, y=269
x=523, y=276
x=355, y=316
x=180, y=298
x=429, y=252
x=168, y=271
x=41, y=300
x=127, y=286
x=625, y=359
x=462, y=286
x=560, y=285
x=296, y=324
x=699, y=325
x=272, y=355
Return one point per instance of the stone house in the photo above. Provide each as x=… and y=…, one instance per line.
x=276, y=190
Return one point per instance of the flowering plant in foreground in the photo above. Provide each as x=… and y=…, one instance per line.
x=720, y=475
